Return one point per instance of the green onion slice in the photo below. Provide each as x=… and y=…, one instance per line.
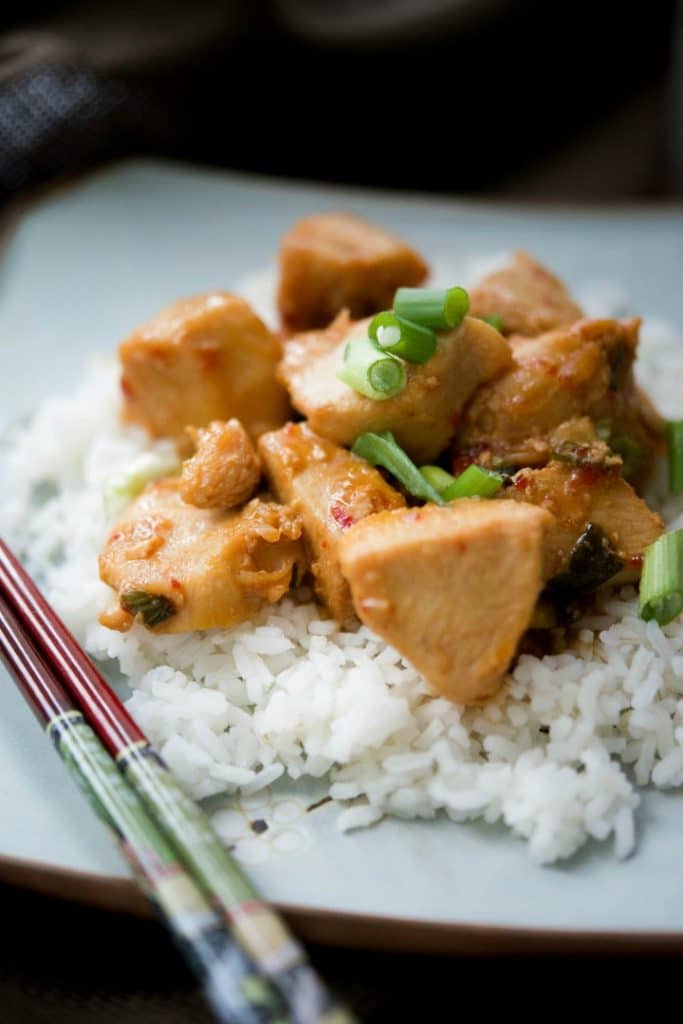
x=495, y=320
x=438, y=308
x=474, y=482
x=382, y=450
x=437, y=477
x=674, y=441
x=402, y=337
x=154, y=608
x=661, y=583
x=370, y=371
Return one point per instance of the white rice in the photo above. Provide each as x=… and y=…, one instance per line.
x=558, y=756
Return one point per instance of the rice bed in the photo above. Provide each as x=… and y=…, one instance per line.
x=558, y=756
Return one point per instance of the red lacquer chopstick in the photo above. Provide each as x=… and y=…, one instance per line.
x=258, y=929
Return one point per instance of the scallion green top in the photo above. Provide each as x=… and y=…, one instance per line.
x=661, y=583
x=440, y=309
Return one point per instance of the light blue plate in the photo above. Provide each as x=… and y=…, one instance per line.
x=86, y=265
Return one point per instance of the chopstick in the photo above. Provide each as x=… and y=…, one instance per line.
x=257, y=929
x=198, y=930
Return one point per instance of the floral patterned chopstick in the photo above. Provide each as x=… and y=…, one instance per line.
x=232, y=987
x=254, y=925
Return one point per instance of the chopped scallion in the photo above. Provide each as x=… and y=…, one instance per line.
x=437, y=477
x=495, y=320
x=370, y=371
x=474, y=482
x=402, y=337
x=154, y=608
x=674, y=441
x=120, y=488
x=441, y=309
x=382, y=450
x=661, y=583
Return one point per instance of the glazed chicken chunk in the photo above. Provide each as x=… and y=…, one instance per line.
x=424, y=416
x=332, y=490
x=334, y=261
x=225, y=469
x=527, y=297
x=175, y=567
x=202, y=359
x=453, y=589
x=583, y=370
x=581, y=495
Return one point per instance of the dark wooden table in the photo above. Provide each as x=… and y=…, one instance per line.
x=65, y=964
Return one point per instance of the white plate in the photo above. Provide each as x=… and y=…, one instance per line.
x=84, y=266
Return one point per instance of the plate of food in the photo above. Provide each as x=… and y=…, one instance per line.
x=369, y=507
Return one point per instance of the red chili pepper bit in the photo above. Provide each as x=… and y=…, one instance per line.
x=341, y=515
x=468, y=456
x=635, y=561
x=587, y=476
x=521, y=482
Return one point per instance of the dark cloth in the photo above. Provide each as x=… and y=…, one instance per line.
x=448, y=95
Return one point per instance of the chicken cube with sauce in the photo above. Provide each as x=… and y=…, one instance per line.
x=583, y=370
x=581, y=495
x=334, y=261
x=202, y=359
x=527, y=297
x=453, y=589
x=225, y=469
x=424, y=416
x=332, y=490
x=176, y=567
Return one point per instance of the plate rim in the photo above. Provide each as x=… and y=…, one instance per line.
x=330, y=926
x=353, y=929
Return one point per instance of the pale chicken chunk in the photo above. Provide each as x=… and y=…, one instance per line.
x=583, y=370
x=202, y=359
x=424, y=416
x=453, y=589
x=334, y=261
x=332, y=490
x=177, y=568
x=225, y=469
x=527, y=297
x=579, y=495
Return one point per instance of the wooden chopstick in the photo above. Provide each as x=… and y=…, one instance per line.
x=258, y=930
x=198, y=929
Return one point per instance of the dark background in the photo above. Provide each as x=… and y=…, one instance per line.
x=525, y=97
x=546, y=99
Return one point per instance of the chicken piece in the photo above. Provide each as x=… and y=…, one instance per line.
x=424, y=416
x=527, y=297
x=202, y=359
x=334, y=261
x=224, y=471
x=179, y=568
x=331, y=489
x=579, y=495
x=453, y=589
x=583, y=370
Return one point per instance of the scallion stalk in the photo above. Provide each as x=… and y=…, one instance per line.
x=674, y=441
x=474, y=482
x=437, y=477
x=495, y=320
x=661, y=583
x=370, y=371
x=441, y=309
x=402, y=337
x=382, y=450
